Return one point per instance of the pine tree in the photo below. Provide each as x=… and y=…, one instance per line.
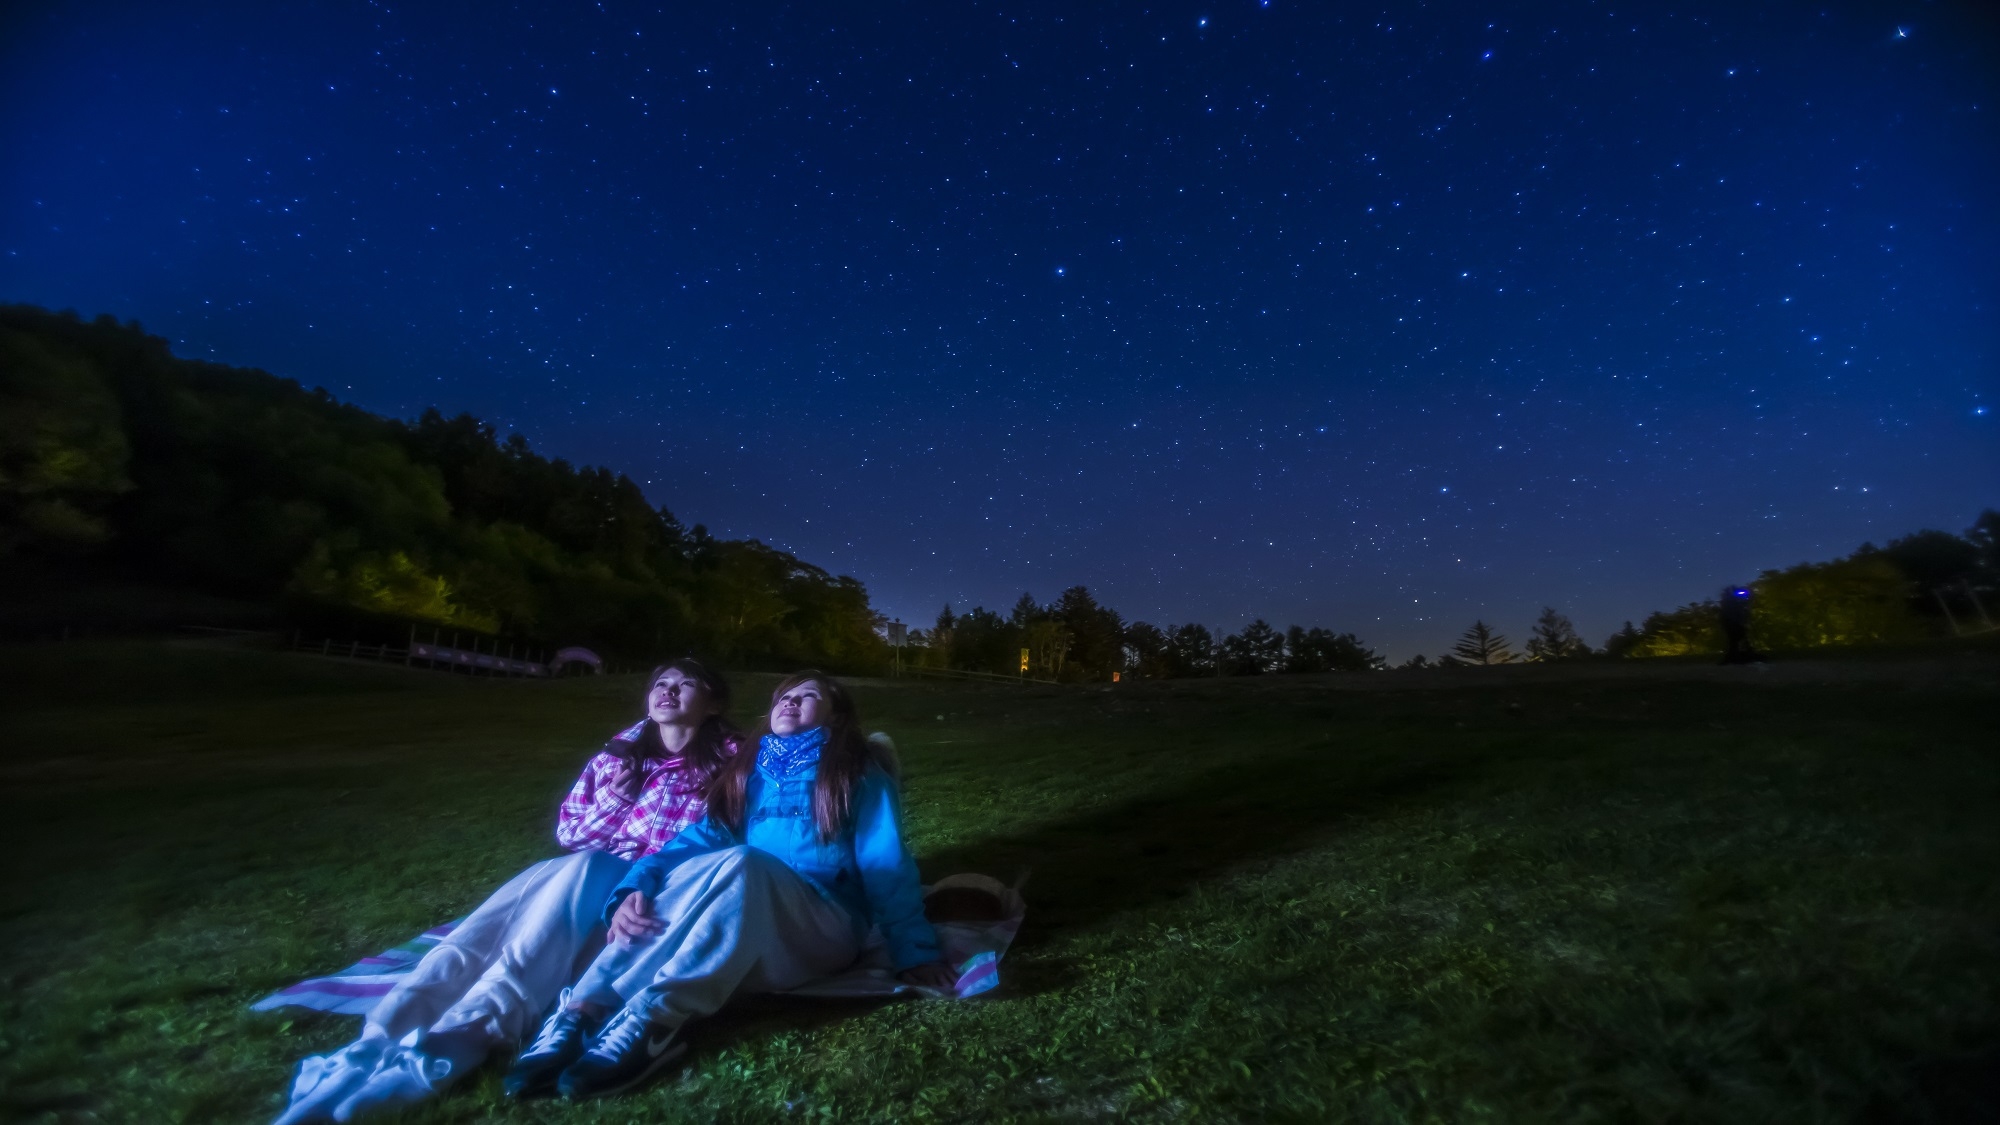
x=1623, y=641
x=1554, y=638
x=1481, y=645
x=1258, y=649
x=1191, y=650
x=941, y=635
x=1096, y=633
x=1146, y=652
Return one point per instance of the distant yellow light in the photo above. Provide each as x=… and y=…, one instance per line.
x=1024, y=661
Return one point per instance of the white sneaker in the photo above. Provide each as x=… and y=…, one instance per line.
x=323, y=1081
x=405, y=1076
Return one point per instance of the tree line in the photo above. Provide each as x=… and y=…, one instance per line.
x=1922, y=586
x=118, y=457
x=1074, y=638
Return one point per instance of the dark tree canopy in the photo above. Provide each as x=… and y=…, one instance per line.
x=1322, y=650
x=1191, y=650
x=1257, y=650
x=234, y=482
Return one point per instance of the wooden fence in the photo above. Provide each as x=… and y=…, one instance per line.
x=454, y=657
x=961, y=674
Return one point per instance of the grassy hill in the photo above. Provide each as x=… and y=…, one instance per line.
x=1650, y=891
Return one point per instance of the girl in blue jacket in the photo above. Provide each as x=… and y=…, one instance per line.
x=800, y=854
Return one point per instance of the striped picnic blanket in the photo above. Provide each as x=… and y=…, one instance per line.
x=974, y=947
x=354, y=990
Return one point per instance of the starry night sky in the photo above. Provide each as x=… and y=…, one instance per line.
x=1376, y=319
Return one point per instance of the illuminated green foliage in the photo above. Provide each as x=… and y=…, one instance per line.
x=1693, y=629
x=1863, y=599
x=232, y=482
x=62, y=448
x=1890, y=595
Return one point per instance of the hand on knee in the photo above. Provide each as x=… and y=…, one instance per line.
x=634, y=920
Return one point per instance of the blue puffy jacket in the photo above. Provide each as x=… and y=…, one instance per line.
x=866, y=870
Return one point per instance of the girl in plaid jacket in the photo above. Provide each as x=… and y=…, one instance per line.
x=504, y=964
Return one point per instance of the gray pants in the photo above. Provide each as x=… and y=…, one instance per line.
x=504, y=964
x=737, y=920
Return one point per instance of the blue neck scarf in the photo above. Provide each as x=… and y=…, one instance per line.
x=786, y=756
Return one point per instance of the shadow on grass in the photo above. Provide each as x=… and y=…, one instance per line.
x=1088, y=868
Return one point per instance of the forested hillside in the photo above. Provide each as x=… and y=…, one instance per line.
x=117, y=458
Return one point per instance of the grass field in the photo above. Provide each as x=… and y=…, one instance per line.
x=1631, y=893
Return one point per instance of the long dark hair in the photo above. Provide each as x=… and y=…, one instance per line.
x=715, y=741
x=841, y=761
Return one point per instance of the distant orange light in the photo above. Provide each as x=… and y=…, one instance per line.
x=1114, y=677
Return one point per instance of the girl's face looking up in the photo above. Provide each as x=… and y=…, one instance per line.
x=798, y=709
x=677, y=699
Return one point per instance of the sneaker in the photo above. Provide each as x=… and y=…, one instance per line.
x=559, y=1043
x=630, y=1050
x=407, y=1074
x=322, y=1082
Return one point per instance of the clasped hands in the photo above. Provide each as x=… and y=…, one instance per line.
x=634, y=921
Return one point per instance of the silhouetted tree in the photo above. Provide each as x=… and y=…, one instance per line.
x=1554, y=638
x=1097, y=635
x=983, y=642
x=1481, y=645
x=940, y=641
x=1191, y=650
x=1258, y=649
x=1322, y=650
x=1933, y=558
x=1147, y=651
x=1622, y=642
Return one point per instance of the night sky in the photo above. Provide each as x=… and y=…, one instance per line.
x=1376, y=319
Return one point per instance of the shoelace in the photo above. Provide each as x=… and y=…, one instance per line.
x=552, y=1031
x=618, y=1037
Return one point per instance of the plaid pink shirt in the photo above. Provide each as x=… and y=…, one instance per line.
x=597, y=817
